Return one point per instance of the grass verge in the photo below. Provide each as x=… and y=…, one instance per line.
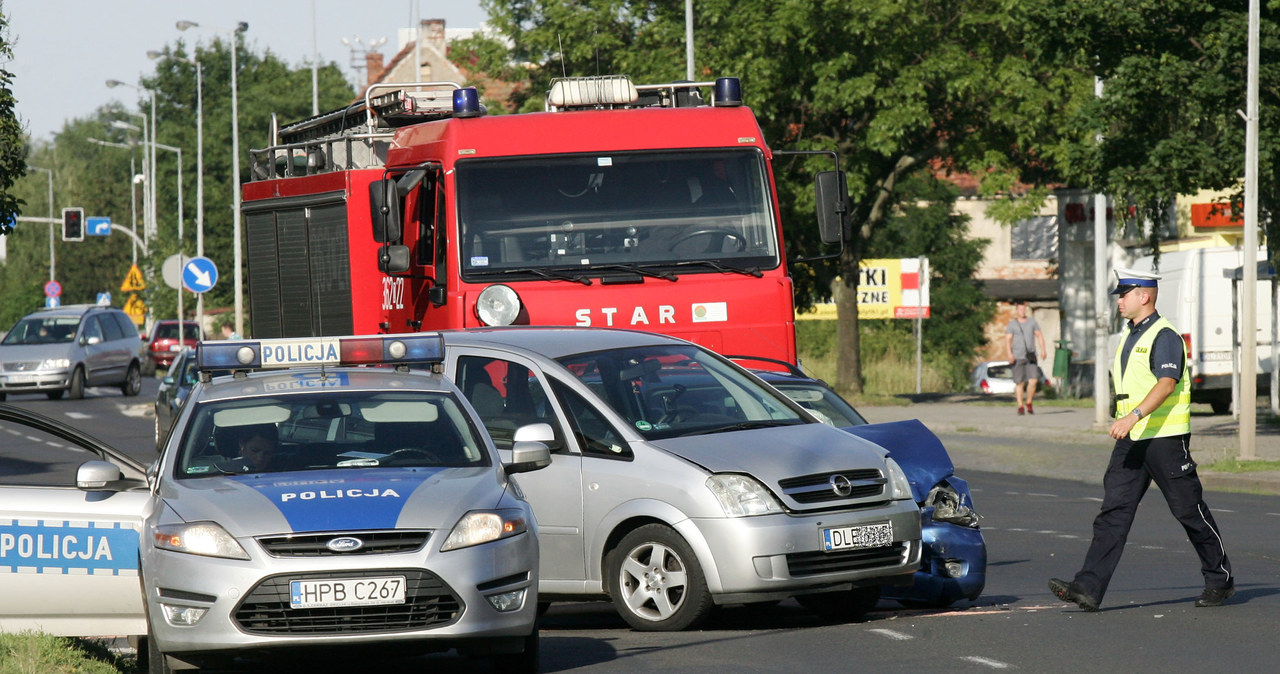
x=31, y=653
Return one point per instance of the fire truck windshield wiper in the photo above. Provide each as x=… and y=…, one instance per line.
x=749, y=271
x=636, y=269
x=540, y=273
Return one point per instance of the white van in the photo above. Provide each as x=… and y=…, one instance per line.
x=1195, y=296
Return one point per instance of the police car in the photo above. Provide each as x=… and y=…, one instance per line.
x=310, y=505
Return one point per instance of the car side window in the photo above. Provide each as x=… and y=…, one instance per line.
x=92, y=328
x=32, y=457
x=595, y=435
x=110, y=329
x=127, y=328
x=506, y=395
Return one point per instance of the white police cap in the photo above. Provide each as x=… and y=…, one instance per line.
x=1127, y=279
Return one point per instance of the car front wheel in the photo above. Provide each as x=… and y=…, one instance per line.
x=656, y=582
x=75, y=390
x=132, y=385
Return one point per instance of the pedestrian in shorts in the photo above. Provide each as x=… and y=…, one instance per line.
x=1020, y=339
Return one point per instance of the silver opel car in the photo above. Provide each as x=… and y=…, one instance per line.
x=66, y=349
x=317, y=507
x=680, y=481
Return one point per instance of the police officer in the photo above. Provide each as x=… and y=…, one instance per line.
x=1152, y=432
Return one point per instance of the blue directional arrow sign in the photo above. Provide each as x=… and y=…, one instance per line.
x=97, y=226
x=199, y=274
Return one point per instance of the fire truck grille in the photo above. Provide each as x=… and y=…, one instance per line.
x=428, y=603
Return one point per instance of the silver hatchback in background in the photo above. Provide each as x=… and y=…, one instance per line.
x=679, y=482
x=64, y=350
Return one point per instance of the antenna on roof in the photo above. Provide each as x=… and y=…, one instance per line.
x=561, y=43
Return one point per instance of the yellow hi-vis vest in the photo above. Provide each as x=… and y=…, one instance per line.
x=1173, y=417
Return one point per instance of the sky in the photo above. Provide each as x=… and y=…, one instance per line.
x=64, y=51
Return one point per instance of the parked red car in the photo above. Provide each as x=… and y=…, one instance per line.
x=161, y=345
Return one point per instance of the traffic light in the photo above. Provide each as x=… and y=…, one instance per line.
x=73, y=224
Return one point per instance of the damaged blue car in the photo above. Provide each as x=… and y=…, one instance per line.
x=953, y=565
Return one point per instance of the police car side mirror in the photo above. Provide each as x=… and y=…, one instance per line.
x=384, y=210
x=102, y=476
x=833, y=210
x=528, y=456
x=393, y=259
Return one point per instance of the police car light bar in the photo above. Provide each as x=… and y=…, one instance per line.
x=265, y=354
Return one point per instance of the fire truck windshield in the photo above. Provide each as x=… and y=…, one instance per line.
x=643, y=211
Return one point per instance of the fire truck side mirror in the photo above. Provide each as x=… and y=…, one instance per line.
x=393, y=259
x=833, y=210
x=384, y=211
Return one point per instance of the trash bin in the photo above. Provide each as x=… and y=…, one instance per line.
x=1062, y=359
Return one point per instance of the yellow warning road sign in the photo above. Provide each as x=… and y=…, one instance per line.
x=136, y=309
x=133, y=282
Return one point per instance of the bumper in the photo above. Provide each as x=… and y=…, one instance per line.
x=953, y=566
x=776, y=556
x=36, y=382
x=247, y=602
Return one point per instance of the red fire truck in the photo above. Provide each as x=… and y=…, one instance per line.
x=627, y=206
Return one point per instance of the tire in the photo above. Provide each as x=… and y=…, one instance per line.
x=53, y=395
x=132, y=385
x=524, y=662
x=655, y=555
x=844, y=606
x=75, y=390
x=3, y=396
x=1220, y=405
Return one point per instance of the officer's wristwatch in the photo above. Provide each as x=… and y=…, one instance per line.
x=1137, y=412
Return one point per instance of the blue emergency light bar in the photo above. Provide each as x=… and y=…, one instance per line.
x=266, y=354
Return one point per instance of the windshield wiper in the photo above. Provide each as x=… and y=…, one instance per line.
x=540, y=273
x=744, y=426
x=750, y=271
x=636, y=269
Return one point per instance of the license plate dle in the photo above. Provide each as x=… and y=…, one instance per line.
x=856, y=537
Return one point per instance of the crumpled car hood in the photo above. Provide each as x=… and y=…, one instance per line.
x=917, y=450
x=773, y=454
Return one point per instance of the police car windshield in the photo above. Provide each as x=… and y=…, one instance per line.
x=594, y=212
x=301, y=432
x=668, y=391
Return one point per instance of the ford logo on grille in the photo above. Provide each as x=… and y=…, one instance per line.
x=345, y=544
x=840, y=485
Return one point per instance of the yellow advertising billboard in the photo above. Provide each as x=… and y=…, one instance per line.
x=893, y=288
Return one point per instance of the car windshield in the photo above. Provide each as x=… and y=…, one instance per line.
x=191, y=332
x=317, y=431
x=636, y=212
x=822, y=402
x=43, y=330
x=667, y=391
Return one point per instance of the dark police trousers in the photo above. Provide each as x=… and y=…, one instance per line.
x=1134, y=465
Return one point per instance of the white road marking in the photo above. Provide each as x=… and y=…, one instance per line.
x=986, y=662
x=78, y=415
x=1044, y=495
x=896, y=636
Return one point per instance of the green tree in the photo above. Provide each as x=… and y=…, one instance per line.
x=894, y=87
x=1174, y=78
x=13, y=154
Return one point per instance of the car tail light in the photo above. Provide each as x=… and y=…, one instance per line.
x=986, y=388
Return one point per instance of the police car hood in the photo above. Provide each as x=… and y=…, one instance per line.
x=337, y=500
x=773, y=454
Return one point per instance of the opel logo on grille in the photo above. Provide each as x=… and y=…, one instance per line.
x=840, y=485
x=345, y=544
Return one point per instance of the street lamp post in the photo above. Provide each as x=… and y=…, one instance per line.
x=149, y=190
x=199, y=168
x=133, y=190
x=181, y=256
x=235, y=165
x=53, y=264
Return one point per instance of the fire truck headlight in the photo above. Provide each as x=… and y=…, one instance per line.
x=498, y=305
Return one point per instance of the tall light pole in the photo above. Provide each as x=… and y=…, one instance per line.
x=181, y=257
x=146, y=175
x=53, y=264
x=149, y=192
x=235, y=164
x=133, y=188
x=199, y=170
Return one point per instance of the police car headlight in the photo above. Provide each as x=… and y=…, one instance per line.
x=498, y=305
x=899, y=486
x=484, y=526
x=742, y=496
x=199, y=538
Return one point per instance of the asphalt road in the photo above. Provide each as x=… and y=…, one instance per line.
x=1035, y=528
